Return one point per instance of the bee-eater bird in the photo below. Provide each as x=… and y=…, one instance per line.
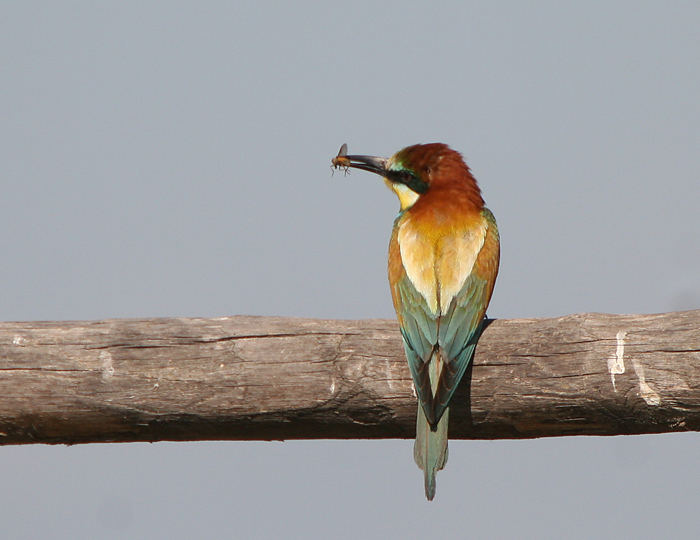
x=443, y=261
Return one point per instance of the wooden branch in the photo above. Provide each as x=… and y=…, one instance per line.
x=275, y=378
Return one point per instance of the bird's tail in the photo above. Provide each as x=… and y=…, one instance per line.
x=430, y=449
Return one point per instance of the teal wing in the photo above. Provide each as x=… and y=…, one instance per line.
x=459, y=331
x=452, y=336
x=419, y=329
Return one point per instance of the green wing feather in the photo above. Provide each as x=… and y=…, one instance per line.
x=453, y=334
x=420, y=337
x=459, y=331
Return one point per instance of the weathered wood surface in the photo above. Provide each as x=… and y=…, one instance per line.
x=279, y=378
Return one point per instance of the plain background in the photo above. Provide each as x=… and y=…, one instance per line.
x=172, y=159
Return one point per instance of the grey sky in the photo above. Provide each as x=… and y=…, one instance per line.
x=173, y=159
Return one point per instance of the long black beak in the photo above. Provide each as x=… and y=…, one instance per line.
x=366, y=163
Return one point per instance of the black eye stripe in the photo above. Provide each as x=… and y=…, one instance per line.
x=409, y=179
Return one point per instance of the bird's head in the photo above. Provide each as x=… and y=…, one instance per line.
x=417, y=170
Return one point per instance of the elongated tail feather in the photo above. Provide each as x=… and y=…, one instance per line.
x=430, y=449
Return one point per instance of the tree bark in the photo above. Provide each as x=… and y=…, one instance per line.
x=262, y=378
